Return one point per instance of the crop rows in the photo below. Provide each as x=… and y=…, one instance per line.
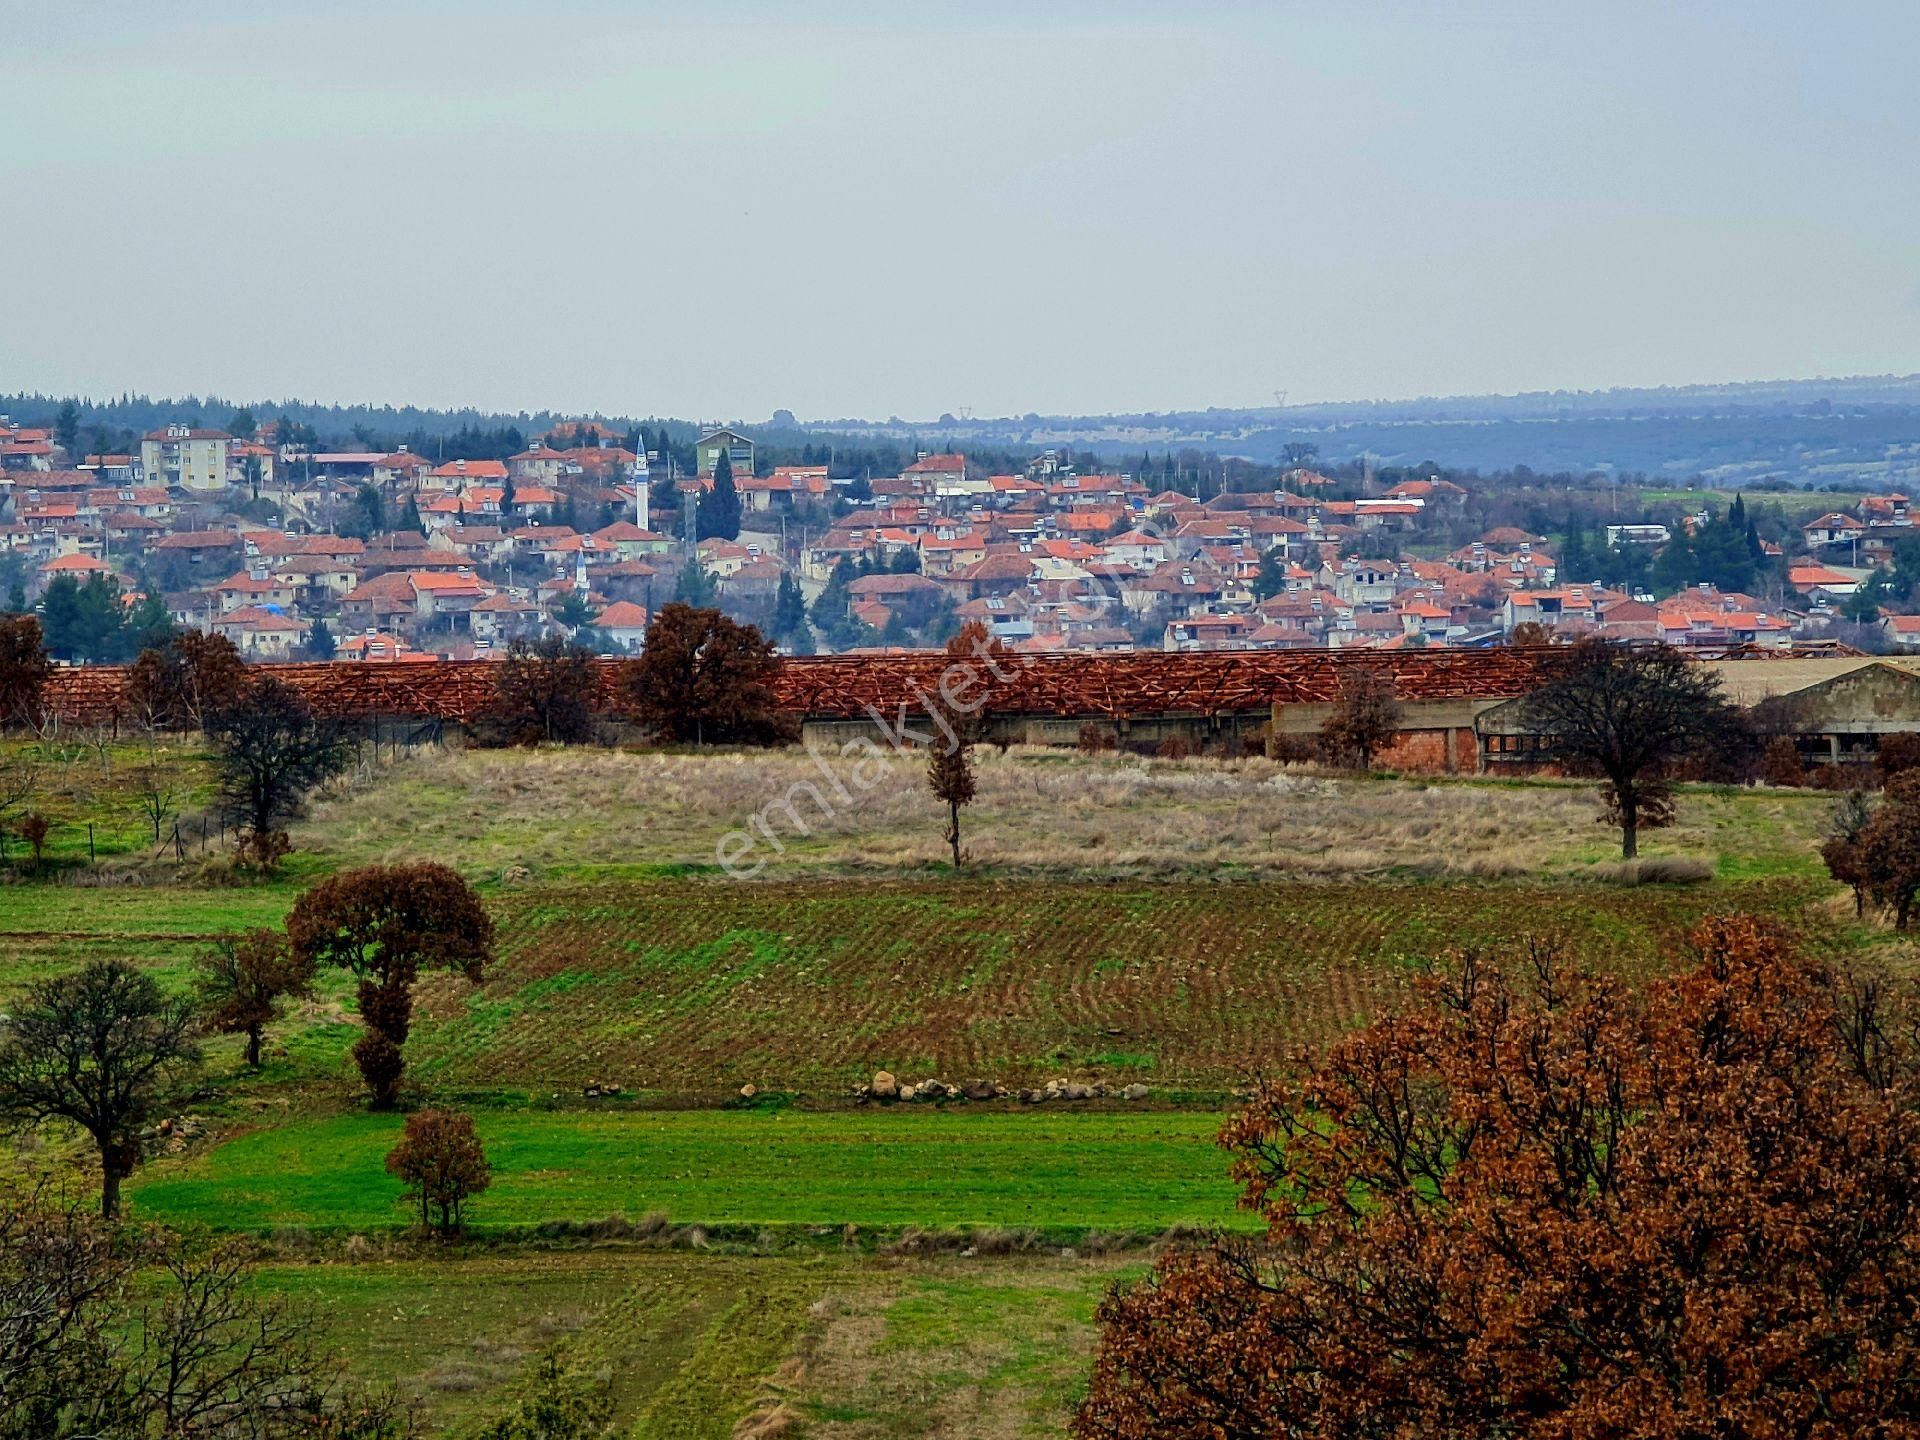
x=698, y=989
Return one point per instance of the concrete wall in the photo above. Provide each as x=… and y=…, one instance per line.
x=1199, y=731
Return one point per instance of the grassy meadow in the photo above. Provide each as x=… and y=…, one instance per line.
x=1180, y=924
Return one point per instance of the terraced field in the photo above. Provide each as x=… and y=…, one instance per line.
x=700, y=988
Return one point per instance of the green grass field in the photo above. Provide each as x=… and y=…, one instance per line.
x=855, y=1346
x=1179, y=924
x=904, y=1166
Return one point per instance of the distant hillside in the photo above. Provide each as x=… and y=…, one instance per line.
x=1857, y=430
x=1850, y=432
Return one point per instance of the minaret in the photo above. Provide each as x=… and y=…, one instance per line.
x=640, y=496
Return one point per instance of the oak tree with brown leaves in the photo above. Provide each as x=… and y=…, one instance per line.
x=543, y=692
x=957, y=710
x=179, y=684
x=386, y=924
x=1365, y=718
x=1541, y=1204
x=244, y=982
x=1886, y=850
x=24, y=668
x=440, y=1161
x=705, y=679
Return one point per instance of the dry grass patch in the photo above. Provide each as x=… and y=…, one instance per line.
x=586, y=811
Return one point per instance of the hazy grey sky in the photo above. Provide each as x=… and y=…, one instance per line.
x=711, y=210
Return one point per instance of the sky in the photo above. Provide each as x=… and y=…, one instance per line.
x=714, y=210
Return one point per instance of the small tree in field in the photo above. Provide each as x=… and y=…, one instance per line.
x=244, y=981
x=1365, y=718
x=704, y=679
x=440, y=1161
x=1886, y=851
x=1544, y=1204
x=950, y=769
x=99, y=1048
x=957, y=708
x=271, y=751
x=1629, y=715
x=387, y=923
x=34, y=829
x=1841, y=849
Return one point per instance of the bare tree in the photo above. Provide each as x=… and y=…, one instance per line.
x=1365, y=718
x=155, y=1336
x=19, y=783
x=272, y=751
x=157, y=790
x=1629, y=714
x=100, y=1048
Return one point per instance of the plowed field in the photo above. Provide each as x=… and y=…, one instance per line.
x=693, y=988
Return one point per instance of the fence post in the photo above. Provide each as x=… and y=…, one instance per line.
x=92, y=859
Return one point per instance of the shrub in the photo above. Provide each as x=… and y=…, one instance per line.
x=1096, y=739
x=1174, y=747
x=1898, y=753
x=34, y=828
x=1780, y=764
x=1290, y=749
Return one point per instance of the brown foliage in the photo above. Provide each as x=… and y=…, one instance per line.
x=180, y=684
x=1898, y=752
x=1096, y=739
x=1173, y=747
x=243, y=981
x=1841, y=850
x=1780, y=765
x=542, y=692
x=1886, y=854
x=34, y=828
x=1364, y=721
x=1547, y=1206
x=1529, y=632
x=440, y=1160
x=1290, y=749
x=1832, y=776
x=955, y=709
x=705, y=679
x=24, y=668
x=387, y=923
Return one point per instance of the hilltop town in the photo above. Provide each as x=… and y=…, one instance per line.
x=267, y=535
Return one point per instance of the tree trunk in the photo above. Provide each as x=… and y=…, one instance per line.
x=253, y=1048
x=953, y=830
x=109, y=1183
